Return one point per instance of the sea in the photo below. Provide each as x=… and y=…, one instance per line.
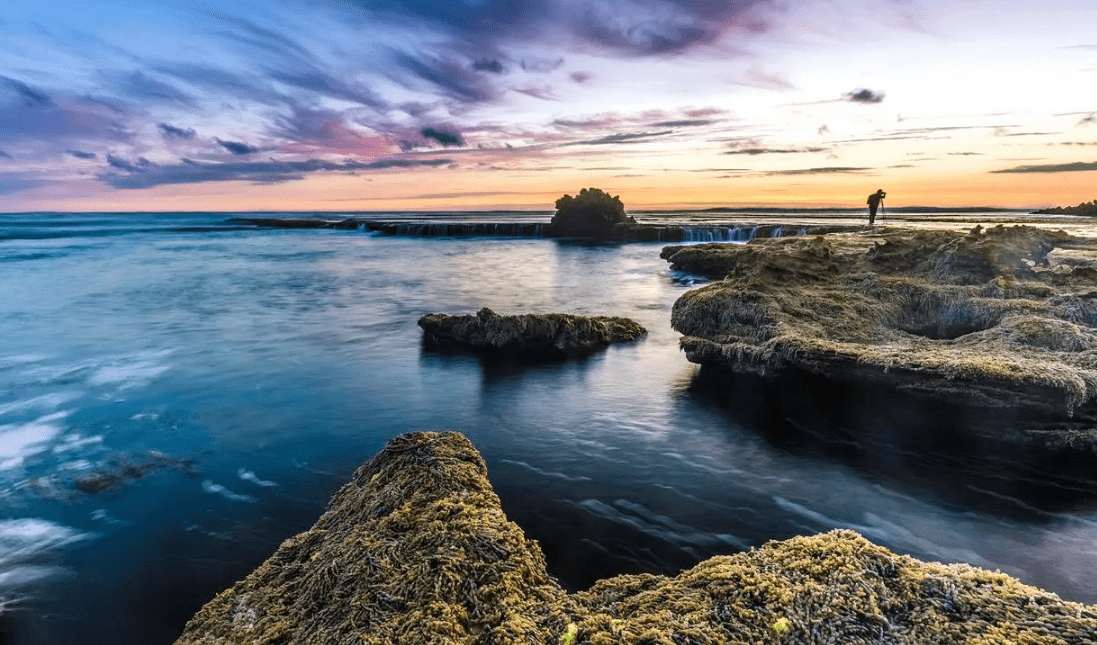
x=179, y=394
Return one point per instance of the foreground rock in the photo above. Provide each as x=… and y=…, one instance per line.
x=416, y=550
x=546, y=334
x=1003, y=318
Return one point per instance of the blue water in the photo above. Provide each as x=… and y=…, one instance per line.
x=230, y=380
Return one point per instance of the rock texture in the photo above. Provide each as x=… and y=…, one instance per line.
x=1002, y=318
x=416, y=550
x=591, y=213
x=548, y=334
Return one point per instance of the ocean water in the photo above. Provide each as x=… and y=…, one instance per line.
x=179, y=395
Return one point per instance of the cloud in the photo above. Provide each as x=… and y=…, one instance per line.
x=632, y=137
x=4, y=155
x=622, y=27
x=237, y=148
x=79, y=154
x=453, y=79
x=581, y=77
x=144, y=88
x=443, y=137
x=864, y=96
x=818, y=171
x=1077, y=166
x=1089, y=118
x=544, y=92
x=1003, y=132
x=824, y=129
x=172, y=132
x=683, y=123
x=492, y=66
x=30, y=96
x=121, y=163
x=144, y=174
x=222, y=83
x=768, y=151
x=964, y=154
x=542, y=65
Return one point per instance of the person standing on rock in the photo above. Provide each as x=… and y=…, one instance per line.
x=873, y=203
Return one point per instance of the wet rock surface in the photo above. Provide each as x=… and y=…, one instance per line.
x=1001, y=319
x=416, y=549
x=550, y=335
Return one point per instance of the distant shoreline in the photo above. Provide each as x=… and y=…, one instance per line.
x=549, y=212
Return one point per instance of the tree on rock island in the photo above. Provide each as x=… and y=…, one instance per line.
x=591, y=213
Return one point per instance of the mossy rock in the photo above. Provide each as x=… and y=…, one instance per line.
x=550, y=335
x=416, y=550
x=591, y=213
x=983, y=318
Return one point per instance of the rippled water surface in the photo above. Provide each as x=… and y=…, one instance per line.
x=178, y=396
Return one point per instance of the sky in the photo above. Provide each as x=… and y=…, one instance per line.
x=110, y=105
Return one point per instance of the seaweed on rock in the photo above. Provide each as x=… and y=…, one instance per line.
x=416, y=550
x=984, y=318
x=538, y=334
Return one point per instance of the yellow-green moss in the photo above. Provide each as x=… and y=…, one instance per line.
x=983, y=317
x=416, y=550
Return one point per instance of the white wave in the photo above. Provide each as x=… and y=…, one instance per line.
x=662, y=527
x=78, y=464
x=145, y=416
x=20, y=359
x=44, y=402
x=76, y=442
x=898, y=537
x=545, y=473
x=218, y=489
x=17, y=442
x=128, y=376
x=249, y=476
x=24, y=543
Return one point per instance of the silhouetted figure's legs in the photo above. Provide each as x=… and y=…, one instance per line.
x=872, y=214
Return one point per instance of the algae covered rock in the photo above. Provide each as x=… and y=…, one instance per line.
x=416, y=550
x=984, y=318
x=539, y=334
x=591, y=213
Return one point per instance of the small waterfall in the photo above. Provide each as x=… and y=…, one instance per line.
x=744, y=233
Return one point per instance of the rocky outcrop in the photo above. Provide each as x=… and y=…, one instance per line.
x=1087, y=209
x=416, y=550
x=1000, y=318
x=544, y=334
x=592, y=213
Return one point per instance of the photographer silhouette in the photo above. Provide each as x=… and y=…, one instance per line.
x=873, y=203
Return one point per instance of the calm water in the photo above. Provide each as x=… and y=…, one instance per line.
x=211, y=387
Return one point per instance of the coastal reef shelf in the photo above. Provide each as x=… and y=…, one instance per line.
x=417, y=550
x=741, y=232
x=1003, y=319
x=550, y=335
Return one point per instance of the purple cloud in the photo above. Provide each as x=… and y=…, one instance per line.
x=443, y=137
x=172, y=132
x=238, y=148
x=144, y=174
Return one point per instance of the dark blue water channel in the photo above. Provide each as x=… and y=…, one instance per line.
x=177, y=397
